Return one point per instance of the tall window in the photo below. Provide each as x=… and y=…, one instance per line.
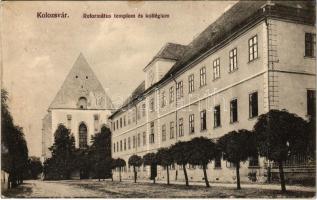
x=152, y=104
x=120, y=145
x=202, y=73
x=233, y=60
x=124, y=120
x=310, y=45
x=217, y=118
x=82, y=136
x=253, y=104
x=163, y=99
x=96, y=122
x=192, y=123
x=69, y=121
x=120, y=122
x=114, y=147
x=180, y=127
x=179, y=90
x=139, y=139
x=117, y=124
x=171, y=92
x=129, y=143
x=233, y=110
x=311, y=102
x=151, y=139
x=164, y=132
x=171, y=130
x=203, y=122
x=253, y=48
x=117, y=146
x=143, y=110
x=216, y=68
x=144, y=138
x=191, y=86
x=134, y=142
x=125, y=144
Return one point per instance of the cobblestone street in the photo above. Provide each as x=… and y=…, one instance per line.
x=126, y=189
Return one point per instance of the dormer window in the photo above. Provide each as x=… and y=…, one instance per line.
x=82, y=103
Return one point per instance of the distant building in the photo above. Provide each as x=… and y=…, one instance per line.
x=258, y=56
x=81, y=104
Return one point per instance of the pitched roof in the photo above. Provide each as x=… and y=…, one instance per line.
x=136, y=93
x=81, y=82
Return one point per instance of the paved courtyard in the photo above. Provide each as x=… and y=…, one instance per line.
x=126, y=189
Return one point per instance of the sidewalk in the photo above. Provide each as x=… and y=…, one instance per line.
x=262, y=186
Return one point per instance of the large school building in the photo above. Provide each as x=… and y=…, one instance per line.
x=257, y=56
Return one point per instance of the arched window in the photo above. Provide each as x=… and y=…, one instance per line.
x=82, y=103
x=82, y=135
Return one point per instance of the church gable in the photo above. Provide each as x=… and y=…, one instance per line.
x=81, y=89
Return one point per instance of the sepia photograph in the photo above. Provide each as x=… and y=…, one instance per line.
x=158, y=99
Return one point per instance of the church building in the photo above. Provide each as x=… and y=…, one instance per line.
x=81, y=105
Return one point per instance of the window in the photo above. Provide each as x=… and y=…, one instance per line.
x=191, y=86
x=134, y=142
x=125, y=144
x=310, y=45
x=129, y=143
x=203, y=123
x=233, y=60
x=114, y=147
x=117, y=146
x=139, y=140
x=181, y=127
x=124, y=121
x=164, y=132
x=120, y=145
x=82, y=103
x=216, y=68
x=82, y=136
x=179, y=90
x=117, y=124
x=191, y=123
x=253, y=104
x=171, y=130
x=96, y=122
x=151, y=139
x=202, y=73
x=114, y=126
x=69, y=121
x=152, y=105
x=311, y=102
x=143, y=110
x=144, y=138
x=254, y=161
x=217, y=119
x=163, y=99
x=233, y=110
x=253, y=48
x=171, y=92
x=217, y=162
x=120, y=122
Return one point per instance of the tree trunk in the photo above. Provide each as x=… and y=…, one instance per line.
x=119, y=174
x=168, y=175
x=185, y=174
x=205, y=176
x=282, y=178
x=135, y=174
x=238, y=175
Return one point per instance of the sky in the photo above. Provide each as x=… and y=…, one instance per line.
x=38, y=53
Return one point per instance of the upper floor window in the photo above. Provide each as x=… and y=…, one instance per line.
x=233, y=110
x=233, y=60
x=124, y=121
x=139, y=140
x=82, y=103
x=144, y=138
x=180, y=127
x=129, y=143
x=120, y=122
x=203, y=121
x=117, y=146
x=164, y=132
x=117, y=124
x=134, y=141
x=120, y=145
x=202, y=73
x=163, y=99
x=114, y=147
x=179, y=90
x=253, y=48
x=191, y=85
x=171, y=130
x=216, y=68
x=151, y=136
x=125, y=144
x=191, y=123
x=253, y=104
x=217, y=118
x=310, y=45
x=152, y=104
x=311, y=102
x=171, y=93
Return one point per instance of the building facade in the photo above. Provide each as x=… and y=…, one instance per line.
x=81, y=105
x=259, y=55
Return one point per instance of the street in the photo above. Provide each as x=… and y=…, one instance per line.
x=127, y=189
